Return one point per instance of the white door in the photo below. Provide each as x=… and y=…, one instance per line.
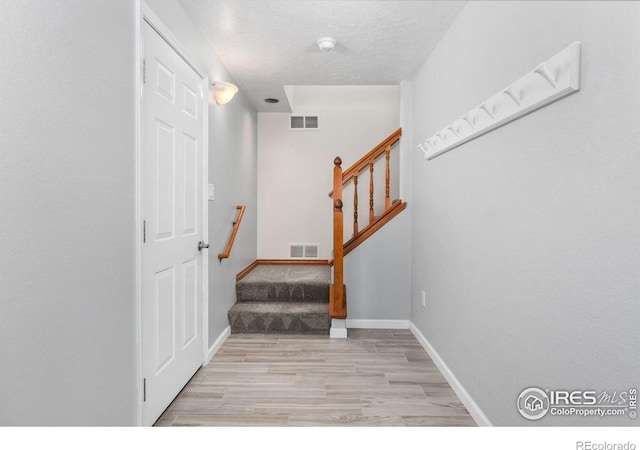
x=172, y=213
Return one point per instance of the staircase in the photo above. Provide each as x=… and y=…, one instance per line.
x=304, y=298
x=282, y=298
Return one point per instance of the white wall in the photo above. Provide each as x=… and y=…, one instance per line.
x=232, y=169
x=67, y=210
x=526, y=239
x=295, y=167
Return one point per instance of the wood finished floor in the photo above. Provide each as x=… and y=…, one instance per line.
x=372, y=378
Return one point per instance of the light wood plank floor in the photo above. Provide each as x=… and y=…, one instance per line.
x=372, y=378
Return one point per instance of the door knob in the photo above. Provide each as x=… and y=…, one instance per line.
x=202, y=245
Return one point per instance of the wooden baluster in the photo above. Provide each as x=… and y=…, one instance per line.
x=337, y=295
x=387, y=200
x=355, y=203
x=371, y=216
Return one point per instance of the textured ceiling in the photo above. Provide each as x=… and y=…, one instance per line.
x=268, y=44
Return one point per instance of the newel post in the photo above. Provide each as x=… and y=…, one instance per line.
x=337, y=300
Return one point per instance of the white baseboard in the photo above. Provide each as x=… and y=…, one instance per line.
x=473, y=408
x=217, y=344
x=378, y=324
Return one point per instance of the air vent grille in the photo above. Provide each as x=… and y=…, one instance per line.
x=296, y=251
x=311, y=122
x=304, y=123
x=304, y=251
x=297, y=122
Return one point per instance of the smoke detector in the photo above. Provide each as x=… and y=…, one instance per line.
x=326, y=44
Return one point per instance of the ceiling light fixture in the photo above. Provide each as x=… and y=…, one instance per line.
x=223, y=91
x=271, y=100
x=326, y=44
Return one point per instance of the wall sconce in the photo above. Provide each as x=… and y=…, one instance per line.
x=223, y=92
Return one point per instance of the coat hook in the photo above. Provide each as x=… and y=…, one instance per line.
x=469, y=122
x=543, y=71
x=485, y=109
x=514, y=97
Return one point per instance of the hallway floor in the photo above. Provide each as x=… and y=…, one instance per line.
x=372, y=378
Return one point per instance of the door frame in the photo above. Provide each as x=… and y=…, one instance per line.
x=145, y=14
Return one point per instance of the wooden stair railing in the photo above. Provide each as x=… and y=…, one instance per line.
x=337, y=292
x=337, y=303
x=236, y=225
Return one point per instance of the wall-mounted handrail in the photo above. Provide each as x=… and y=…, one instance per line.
x=236, y=225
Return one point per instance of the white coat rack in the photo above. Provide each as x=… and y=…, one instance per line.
x=551, y=80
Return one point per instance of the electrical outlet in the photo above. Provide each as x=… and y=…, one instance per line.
x=424, y=299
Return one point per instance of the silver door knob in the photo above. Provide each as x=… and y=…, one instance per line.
x=202, y=245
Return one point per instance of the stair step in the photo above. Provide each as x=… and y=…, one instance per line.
x=280, y=317
x=285, y=283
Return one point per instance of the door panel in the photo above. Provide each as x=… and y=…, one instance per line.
x=165, y=81
x=190, y=270
x=190, y=101
x=165, y=185
x=172, y=186
x=164, y=320
x=191, y=205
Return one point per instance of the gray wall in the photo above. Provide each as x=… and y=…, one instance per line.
x=68, y=321
x=378, y=272
x=378, y=276
x=232, y=169
x=67, y=209
x=526, y=240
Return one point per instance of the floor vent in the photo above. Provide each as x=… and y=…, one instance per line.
x=303, y=123
x=310, y=251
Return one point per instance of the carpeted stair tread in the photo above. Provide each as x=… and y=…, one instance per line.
x=280, y=317
x=285, y=283
x=281, y=307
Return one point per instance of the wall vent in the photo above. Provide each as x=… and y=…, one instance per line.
x=304, y=123
x=304, y=251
